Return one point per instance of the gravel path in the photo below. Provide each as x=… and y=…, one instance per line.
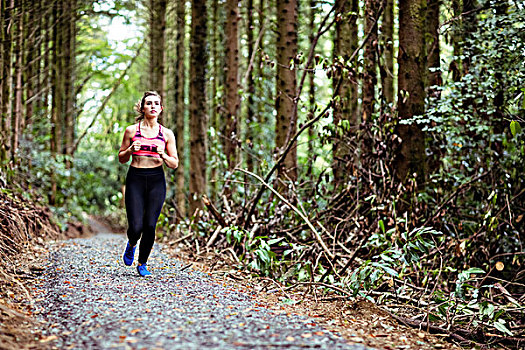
x=91, y=300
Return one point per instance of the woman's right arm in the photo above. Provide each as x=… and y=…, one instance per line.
x=126, y=149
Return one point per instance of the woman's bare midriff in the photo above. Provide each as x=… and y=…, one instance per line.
x=145, y=162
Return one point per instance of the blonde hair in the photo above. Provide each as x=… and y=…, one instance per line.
x=139, y=106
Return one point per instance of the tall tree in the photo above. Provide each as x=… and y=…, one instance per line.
x=370, y=58
x=69, y=72
x=311, y=88
x=44, y=82
x=7, y=74
x=32, y=20
x=433, y=45
x=180, y=92
x=198, y=116
x=216, y=92
x=411, y=157
x=345, y=109
x=158, y=9
x=2, y=81
x=465, y=23
x=18, y=15
x=286, y=120
x=250, y=113
x=387, y=66
x=231, y=86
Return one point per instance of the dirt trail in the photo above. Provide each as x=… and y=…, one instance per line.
x=88, y=298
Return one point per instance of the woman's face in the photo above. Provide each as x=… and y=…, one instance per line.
x=152, y=106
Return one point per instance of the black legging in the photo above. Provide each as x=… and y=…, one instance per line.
x=144, y=197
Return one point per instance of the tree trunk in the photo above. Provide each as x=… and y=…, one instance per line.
x=157, y=36
x=370, y=59
x=387, y=68
x=434, y=77
x=7, y=76
x=198, y=117
x=286, y=121
x=56, y=93
x=231, y=86
x=44, y=82
x=32, y=28
x=250, y=113
x=311, y=91
x=69, y=69
x=345, y=110
x=216, y=124
x=180, y=92
x=455, y=64
x=410, y=159
x=2, y=81
x=18, y=16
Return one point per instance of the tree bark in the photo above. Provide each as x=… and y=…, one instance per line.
x=433, y=49
x=231, y=86
x=286, y=120
x=311, y=91
x=387, y=72
x=370, y=59
x=180, y=110
x=2, y=80
x=217, y=124
x=18, y=16
x=44, y=82
x=7, y=76
x=410, y=159
x=345, y=110
x=32, y=28
x=158, y=9
x=250, y=113
x=198, y=117
x=69, y=79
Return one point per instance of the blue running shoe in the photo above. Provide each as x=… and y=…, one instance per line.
x=143, y=270
x=129, y=254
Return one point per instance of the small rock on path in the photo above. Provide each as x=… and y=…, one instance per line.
x=90, y=300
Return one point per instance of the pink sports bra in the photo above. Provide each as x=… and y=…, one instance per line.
x=149, y=146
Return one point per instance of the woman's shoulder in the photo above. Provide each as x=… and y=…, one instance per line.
x=131, y=128
x=167, y=130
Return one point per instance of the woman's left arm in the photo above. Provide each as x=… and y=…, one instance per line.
x=170, y=157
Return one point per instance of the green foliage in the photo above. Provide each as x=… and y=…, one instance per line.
x=257, y=253
x=395, y=257
x=90, y=184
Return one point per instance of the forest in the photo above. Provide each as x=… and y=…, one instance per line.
x=353, y=148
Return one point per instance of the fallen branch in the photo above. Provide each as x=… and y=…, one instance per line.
x=303, y=216
x=214, y=211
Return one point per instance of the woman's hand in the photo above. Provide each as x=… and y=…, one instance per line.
x=135, y=146
x=171, y=162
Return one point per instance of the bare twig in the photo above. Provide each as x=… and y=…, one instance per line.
x=300, y=213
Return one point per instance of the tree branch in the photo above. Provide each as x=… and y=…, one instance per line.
x=106, y=99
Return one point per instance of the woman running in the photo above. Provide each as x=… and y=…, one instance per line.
x=150, y=145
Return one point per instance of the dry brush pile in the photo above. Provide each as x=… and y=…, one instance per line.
x=22, y=226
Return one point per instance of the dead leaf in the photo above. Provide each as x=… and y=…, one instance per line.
x=48, y=339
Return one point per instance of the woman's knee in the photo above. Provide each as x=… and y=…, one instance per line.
x=134, y=230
